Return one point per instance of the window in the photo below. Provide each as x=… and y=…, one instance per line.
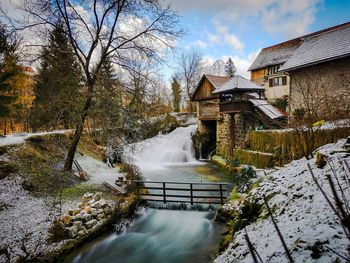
x=278, y=81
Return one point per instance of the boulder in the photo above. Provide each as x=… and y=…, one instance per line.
x=70, y=212
x=76, y=211
x=87, y=197
x=93, y=212
x=99, y=211
x=103, y=203
x=91, y=223
x=100, y=216
x=77, y=223
x=72, y=231
x=66, y=220
x=87, y=217
x=97, y=196
x=96, y=205
x=87, y=209
x=107, y=210
x=81, y=233
x=79, y=216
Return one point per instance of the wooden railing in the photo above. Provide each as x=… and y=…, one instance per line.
x=146, y=190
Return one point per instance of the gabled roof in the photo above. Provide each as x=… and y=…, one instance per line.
x=238, y=83
x=320, y=48
x=280, y=53
x=216, y=81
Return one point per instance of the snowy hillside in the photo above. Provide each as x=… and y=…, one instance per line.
x=306, y=221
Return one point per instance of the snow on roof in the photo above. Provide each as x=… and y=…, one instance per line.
x=280, y=53
x=238, y=83
x=320, y=48
x=271, y=111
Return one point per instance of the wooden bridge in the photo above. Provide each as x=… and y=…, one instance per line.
x=198, y=192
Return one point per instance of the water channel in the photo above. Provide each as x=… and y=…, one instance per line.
x=164, y=235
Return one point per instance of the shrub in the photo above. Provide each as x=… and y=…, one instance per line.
x=244, y=179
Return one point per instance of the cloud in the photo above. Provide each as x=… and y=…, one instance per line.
x=214, y=38
x=288, y=17
x=242, y=63
x=200, y=43
x=233, y=41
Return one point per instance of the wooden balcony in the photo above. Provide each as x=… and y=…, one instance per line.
x=234, y=107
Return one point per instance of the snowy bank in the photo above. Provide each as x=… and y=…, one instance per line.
x=310, y=228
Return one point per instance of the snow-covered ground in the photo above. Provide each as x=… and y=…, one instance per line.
x=98, y=171
x=302, y=214
x=17, y=138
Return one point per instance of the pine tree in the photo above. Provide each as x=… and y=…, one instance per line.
x=57, y=85
x=175, y=86
x=230, y=68
x=10, y=72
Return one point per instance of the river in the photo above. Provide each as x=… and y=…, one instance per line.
x=163, y=235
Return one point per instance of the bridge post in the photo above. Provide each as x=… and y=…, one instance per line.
x=221, y=197
x=191, y=194
x=164, y=196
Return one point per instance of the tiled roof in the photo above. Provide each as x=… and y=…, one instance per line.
x=238, y=83
x=320, y=48
x=280, y=53
x=217, y=81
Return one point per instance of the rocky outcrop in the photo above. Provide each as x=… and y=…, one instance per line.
x=91, y=212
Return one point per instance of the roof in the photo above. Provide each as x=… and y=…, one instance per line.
x=271, y=111
x=238, y=83
x=216, y=81
x=280, y=53
x=320, y=48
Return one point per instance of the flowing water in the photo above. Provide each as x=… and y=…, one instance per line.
x=158, y=235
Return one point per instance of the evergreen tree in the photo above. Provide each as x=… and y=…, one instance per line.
x=230, y=68
x=175, y=86
x=57, y=85
x=10, y=72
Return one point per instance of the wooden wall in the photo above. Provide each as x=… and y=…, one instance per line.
x=209, y=109
x=258, y=76
x=205, y=91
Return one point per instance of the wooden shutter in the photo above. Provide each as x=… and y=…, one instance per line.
x=270, y=82
x=284, y=80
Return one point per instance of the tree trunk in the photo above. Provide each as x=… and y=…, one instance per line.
x=78, y=131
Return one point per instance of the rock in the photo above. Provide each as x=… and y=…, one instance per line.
x=80, y=216
x=81, y=233
x=82, y=228
x=72, y=231
x=96, y=205
x=87, y=217
x=103, y=203
x=91, y=223
x=87, y=209
x=320, y=160
x=107, y=210
x=70, y=212
x=77, y=223
x=76, y=211
x=97, y=196
x=100, y=216
x=87, y=197
x=99, y=211
x=93, y=212
x=66, y=220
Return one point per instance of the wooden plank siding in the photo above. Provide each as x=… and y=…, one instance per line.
x=209, y=109
x=258, y=76
x=205, y=91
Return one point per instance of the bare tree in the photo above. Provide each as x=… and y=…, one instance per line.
x=190, y=72
x=128, y=32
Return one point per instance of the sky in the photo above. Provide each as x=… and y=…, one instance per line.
x=241, y=28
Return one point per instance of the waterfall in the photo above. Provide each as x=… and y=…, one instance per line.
x=170, y=149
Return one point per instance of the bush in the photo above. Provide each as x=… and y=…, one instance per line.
x=244, y=179
x=6, y=169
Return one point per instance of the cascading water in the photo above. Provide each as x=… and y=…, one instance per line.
x=163, y=235
x=169, y=149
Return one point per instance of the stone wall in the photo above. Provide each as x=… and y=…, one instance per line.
x=325, y=87
x=238, y=124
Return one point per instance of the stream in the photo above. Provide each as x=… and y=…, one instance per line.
x=164, y=235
